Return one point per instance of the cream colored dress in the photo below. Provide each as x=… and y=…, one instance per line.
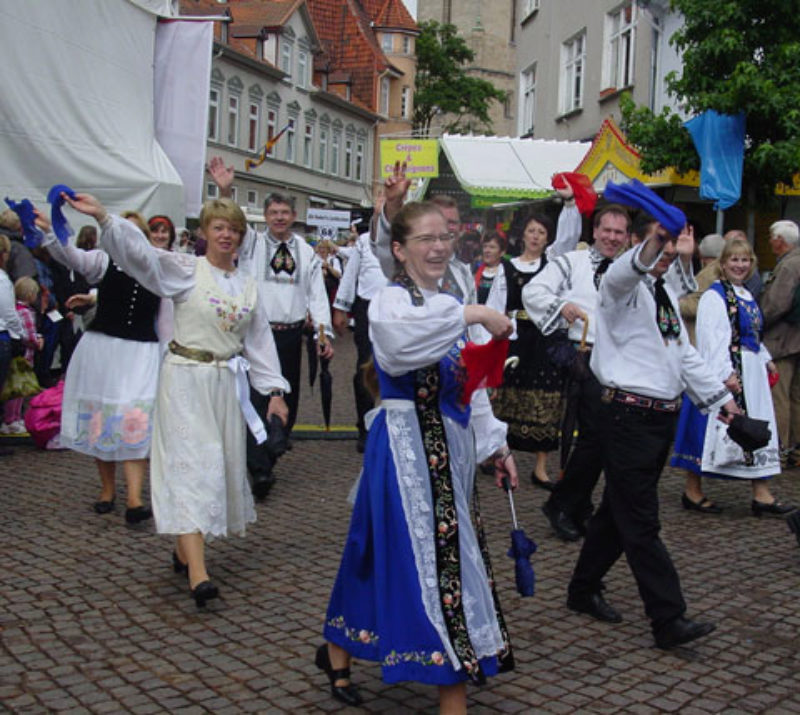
x=198, y=472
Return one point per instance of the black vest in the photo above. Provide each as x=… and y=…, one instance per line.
x=124, y=308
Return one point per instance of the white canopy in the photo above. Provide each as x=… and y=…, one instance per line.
x=79, y=105
x=509, y=168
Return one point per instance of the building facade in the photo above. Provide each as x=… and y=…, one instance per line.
x=490, y=28
x=575, y=59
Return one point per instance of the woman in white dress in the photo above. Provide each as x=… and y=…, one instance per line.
x=198, y=475
x=729, y=324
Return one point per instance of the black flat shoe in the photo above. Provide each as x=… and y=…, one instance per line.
x=566, y=529
x=545, y=484
x=203, y=592
x=596, y=606
x=178, y=566
x=103, y=507
x=681, y=630
x=138, y=514
x=775, y=509
x=704, y=506
x=347, y=694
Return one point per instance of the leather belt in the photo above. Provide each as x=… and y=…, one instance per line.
x=631, y=399
x=287, y=326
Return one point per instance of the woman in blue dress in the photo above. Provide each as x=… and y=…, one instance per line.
x=729, y=326
x=414, y=590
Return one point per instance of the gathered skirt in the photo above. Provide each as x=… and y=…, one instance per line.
x=198, y=472
x=109, y=394
x=385, y=605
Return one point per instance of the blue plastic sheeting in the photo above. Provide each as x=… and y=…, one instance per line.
x=719, y=140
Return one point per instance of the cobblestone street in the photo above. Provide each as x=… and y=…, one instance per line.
x=94, y=620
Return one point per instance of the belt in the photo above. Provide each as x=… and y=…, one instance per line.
x=521, y=315
x=611, y=394
x=287, y=326
x=239, y=367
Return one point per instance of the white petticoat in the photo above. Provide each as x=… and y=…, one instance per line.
x=198, y=469
x=109, y=394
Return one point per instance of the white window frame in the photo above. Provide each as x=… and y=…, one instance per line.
x=405, y=102
x=234, y=194
x=385, y=87
x=348, y=158
x=322, y=160
x=527, y=93
x=406, y=45
x=252, y=199
x=286, y=57
x=272, y=128
x=573, y=73
x=336, y=144
x=253, y=122
x=233, y=120
x=359, y=176
x=290, y=140
x=212, y=191
x=302, y=68
x=618, y=65
x=529, y=7
x=387, y=42
x=308, y=145
x=213, y=114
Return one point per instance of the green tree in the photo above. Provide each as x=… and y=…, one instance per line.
x=738, y=55
x=444, y=87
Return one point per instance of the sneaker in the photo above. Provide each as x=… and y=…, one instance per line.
x=5, y=428
x=18, y=427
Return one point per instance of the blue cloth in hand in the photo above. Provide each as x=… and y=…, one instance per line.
x=60, y=226
x=31, y=235
x=636, y=194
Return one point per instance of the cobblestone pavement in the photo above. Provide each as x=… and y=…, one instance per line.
x=94, y=620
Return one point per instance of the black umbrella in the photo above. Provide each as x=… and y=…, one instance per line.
x=325, y=382
x=577, y=370
x=793, y=521
x=311, y=353
x=522, y=548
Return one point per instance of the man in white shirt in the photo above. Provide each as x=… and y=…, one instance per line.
x=361, y=280
x=563, y=295
x=292, y=274
x=643, y=360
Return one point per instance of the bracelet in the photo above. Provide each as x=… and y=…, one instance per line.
x=503, y=453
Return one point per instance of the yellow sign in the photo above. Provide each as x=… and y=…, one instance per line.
x=421, y=156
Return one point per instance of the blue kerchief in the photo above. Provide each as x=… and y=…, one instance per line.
x=60, y=226
x=32, y=236
x=636, y=194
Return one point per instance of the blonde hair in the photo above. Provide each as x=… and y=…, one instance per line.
x=738, y=247
x=10, y=221
x=140, y=222
x=5, y=249
x=224, y=209
x=26, y=289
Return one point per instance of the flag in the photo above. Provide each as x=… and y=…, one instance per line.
x=262, y=156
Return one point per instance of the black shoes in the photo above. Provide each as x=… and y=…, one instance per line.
x=262, y=485
x=347, y=694
x=775, y=509
x=361, y=442
x=545, y=484
x=178, y=566
x=594, y=605
x=562, y=524
x=680, y=630
x=103, y=507
x=203, y=592
x=137, y=514
x=704, y=506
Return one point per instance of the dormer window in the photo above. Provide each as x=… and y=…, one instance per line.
x=387, y=42
x=286, y=57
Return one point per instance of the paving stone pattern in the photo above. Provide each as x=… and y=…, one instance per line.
x=94, y=620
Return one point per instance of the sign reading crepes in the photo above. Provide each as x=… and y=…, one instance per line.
x=421, y=156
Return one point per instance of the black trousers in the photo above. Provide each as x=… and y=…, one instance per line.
x=636, y=444
x=573, y=493
x=289, y=344
x=364, y=401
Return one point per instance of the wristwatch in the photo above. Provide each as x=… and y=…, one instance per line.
x=276, y=393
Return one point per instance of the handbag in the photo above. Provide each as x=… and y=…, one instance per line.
x=20, y=381
x=563, y=353
x=721, y=450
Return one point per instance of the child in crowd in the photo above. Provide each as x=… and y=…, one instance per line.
x=26, y=291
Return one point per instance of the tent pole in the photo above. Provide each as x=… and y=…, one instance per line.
x=720, y=221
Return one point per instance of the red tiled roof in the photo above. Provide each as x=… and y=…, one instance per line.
x=270, y=13
x=394, y=15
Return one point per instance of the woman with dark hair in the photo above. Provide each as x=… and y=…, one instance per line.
x=414, y=590
x=493, y=246
x=531, y=397
x=162, y=232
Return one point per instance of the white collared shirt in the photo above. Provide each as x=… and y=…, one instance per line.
x=362, y=276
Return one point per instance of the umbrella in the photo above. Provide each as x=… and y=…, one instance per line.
x=577, y=372
x=311, y=353
x=793, y=521
x=325, y=382
x=521, y=550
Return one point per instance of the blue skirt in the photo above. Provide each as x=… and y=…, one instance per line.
x=375, y=610
x=689, y=438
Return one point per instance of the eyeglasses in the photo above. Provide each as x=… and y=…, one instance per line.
x=427, y=240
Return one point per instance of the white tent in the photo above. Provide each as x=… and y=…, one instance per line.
x=101, y=96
